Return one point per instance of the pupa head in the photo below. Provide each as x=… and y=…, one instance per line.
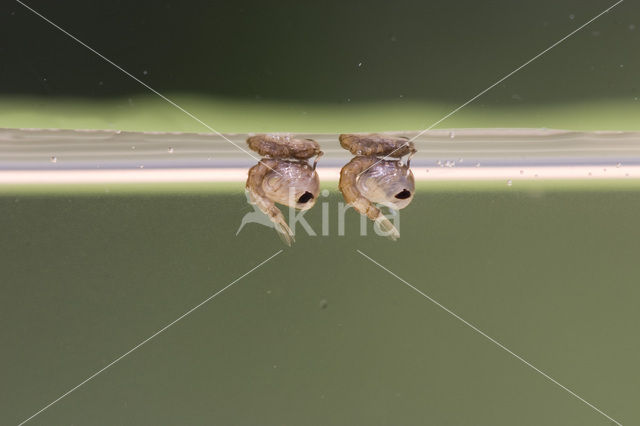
x=389, y=183
x=296, y=184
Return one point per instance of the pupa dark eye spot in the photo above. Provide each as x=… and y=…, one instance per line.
x=305, y=197
x=403, y=195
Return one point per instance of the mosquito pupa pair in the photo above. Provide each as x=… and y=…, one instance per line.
x=375, y=176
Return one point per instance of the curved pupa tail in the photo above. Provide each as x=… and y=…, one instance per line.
x=348, y=179
x=284, y=232
x=267, y=206
x=386, y=227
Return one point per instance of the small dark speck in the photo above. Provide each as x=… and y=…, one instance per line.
x=323, y=304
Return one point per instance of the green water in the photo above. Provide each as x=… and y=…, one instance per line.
x=320, y=335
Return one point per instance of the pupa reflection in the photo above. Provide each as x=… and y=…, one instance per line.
x=369, y=179
x=285, y=177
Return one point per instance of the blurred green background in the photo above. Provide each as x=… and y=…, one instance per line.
x=320, y=66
